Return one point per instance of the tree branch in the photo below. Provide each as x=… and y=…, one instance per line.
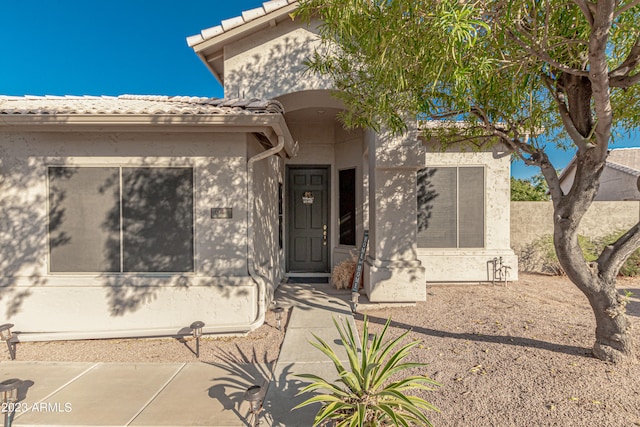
x=586, y=11
x=625, y=82
x=581, y=142
x=613, y=256
x=543, y=56
x=630, y=62
x=626, y=7
x=599, y=74
x=550, y=174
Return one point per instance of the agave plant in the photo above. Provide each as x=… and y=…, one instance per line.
x=368, y=393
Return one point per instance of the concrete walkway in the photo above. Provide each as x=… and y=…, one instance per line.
x=314, y=307
x=185, y=394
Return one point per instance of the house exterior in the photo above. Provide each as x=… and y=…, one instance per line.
x=620, y=179
x=135, y=215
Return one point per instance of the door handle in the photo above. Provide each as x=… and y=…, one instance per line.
x=324, y=235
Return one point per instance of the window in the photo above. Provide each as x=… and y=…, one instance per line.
x=121, y=219
x=347, y=184
x=451, y=207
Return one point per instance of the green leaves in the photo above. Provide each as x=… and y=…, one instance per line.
x=498, y=65
x=368, y=394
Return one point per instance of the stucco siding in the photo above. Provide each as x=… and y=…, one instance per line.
x=269, y=63
x=218, y=291
x=268, y=173
x=475, y=264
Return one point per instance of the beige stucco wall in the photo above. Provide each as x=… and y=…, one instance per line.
x=219, y=292
x=269, y=63
x=532, y=220
x=269, y=258
x=474, y=265
x=392, y=271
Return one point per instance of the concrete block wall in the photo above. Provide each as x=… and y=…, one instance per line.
x=532, y=220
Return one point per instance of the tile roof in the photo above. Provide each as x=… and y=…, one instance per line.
x=246, y=17
x=134, y=104
x=625, y=159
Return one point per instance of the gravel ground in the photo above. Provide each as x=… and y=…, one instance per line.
x=260, y=346
x=504, y=356
x=518, y=356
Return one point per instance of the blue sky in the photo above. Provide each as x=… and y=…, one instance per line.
x=71, y=47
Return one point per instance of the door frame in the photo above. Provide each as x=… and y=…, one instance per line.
x=288, y=219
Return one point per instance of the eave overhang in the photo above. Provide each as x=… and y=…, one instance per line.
x=269, y=125
x=209, y=44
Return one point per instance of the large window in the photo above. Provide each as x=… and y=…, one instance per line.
x=451, y=207
x=120, y=219
x=347, y=184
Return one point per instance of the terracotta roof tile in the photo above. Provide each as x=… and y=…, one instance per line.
x=135, y=104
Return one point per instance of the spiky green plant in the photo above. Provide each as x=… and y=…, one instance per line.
x=369, y=393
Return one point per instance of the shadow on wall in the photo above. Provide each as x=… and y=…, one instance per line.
x=396, y=214
x=426, y=195
x=23, y=225
x=103, y=221
x=274, y=72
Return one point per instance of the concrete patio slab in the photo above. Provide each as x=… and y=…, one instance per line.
x=204, y=394
x=41, y=380
x=188, y=394
x=107, y=395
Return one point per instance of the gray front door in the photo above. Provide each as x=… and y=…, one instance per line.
x=308, y=213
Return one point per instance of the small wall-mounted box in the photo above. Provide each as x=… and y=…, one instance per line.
x=221, y=213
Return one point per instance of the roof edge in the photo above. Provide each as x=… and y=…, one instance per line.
x=240, y=24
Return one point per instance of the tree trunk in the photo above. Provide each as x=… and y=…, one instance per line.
x=613, y=333
x=613, y=341
x=596, y=280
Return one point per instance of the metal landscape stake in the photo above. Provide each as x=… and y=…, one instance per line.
x=196, y=329
x=9, y=393
x=7, y=336
x=277, y=310
x=253, y=395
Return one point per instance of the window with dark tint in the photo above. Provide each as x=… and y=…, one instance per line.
x=91, y=208
x=450, y=207
x=347, y=183
x=157, y=215
x=84, y=223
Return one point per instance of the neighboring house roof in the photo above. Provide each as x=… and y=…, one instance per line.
x=264, y=117
x=623, y=159
x=135, y=104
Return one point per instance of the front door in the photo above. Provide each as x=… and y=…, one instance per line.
x=308, y=213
